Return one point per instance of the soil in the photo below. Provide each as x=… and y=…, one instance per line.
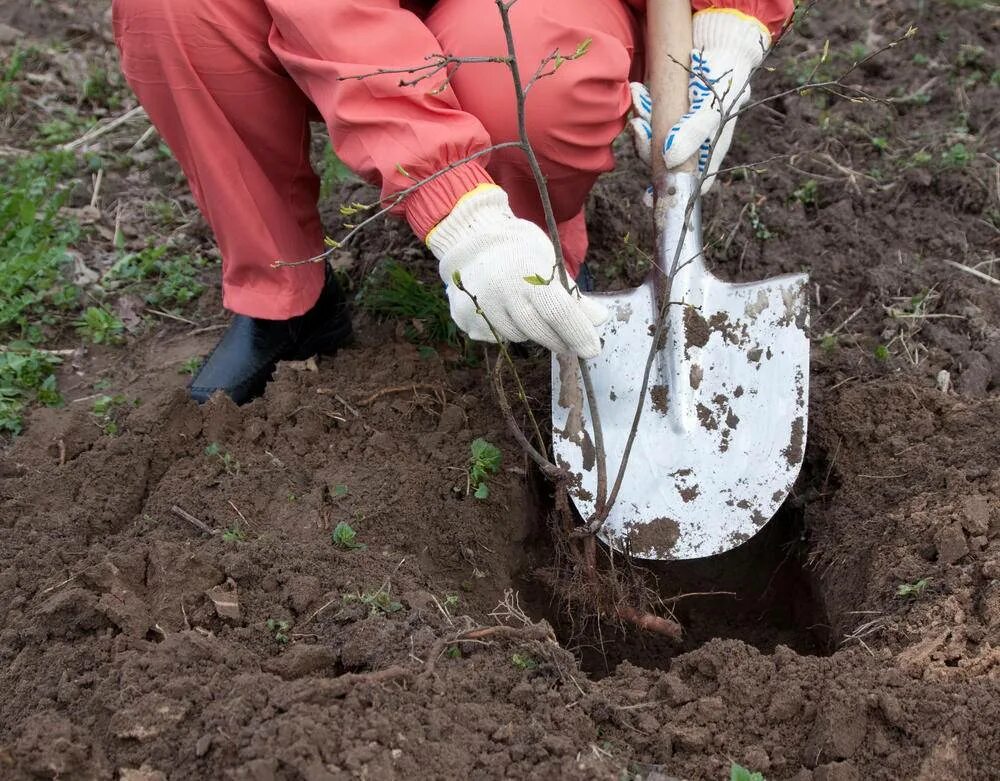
x=856, y=636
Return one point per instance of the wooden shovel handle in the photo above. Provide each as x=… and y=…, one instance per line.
x=668, y=43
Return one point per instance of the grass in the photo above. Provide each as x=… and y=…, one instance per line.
x=10, y=70
x=392, y=291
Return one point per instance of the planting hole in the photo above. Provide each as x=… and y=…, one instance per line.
x=775, y=600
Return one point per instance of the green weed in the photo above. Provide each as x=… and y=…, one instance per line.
x=100, y=89
x=279, y=628
x=956, y=156
x=332, y=172
x=10, y=71
x=881, y=353
x=913, y=589
x=234, y=534
x=484, y=462
x=739, y=773
x=175, y=279
x=393, y=291
x=106, y=410
x=60, y=130
x=379, y=602
x=34, y=237
x=807, y=194
x=230, y=464
x=760, y=230
x=190, y=366
x=26, y=375
x=345, y=538
x=523, y=662
x=100, y=326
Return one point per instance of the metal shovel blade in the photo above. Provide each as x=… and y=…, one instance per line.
x=722, y=432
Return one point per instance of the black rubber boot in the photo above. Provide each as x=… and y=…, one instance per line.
x=245, y=358
x=584, y=280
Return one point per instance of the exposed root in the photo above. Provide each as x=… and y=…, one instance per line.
x=651, y=623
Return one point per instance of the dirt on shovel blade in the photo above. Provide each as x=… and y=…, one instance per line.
x=857, y=638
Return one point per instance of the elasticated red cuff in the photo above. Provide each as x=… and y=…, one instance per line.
x=427, y=206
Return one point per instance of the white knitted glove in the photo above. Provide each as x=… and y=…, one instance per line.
x=495, y=255
x=728, y=46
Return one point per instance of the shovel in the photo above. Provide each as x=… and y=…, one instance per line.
x=721, y=435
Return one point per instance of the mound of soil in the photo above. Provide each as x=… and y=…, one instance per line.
x=175, y=606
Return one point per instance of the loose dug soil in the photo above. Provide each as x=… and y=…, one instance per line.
x=123, y=655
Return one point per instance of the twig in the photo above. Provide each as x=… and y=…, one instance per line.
x=974, y=271
x=170, y=316
x=96, y=132
x=316, y=612
x=394, y=200
x=398, y=389
x=200, y=525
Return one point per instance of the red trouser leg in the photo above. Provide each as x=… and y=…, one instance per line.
x=572, y=116
x=239, y=126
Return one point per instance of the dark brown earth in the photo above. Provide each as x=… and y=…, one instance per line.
x=115, y=661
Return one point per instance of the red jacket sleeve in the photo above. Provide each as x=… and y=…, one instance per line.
x=378, y=128
x=773, y=14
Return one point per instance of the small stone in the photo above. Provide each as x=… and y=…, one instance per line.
x=144, y=773
x=757, y=759
x=452, y=419
x=689, y=738
x=976, y=374
x=150, y=716
x=672, y=689
x=839, y=730
x=786, y=703
x=301, y=660
x=203, y=745
x=225, y=599
x=836, y=771
x=976, y=514
x=951, y=544
x=9, y=35
x=944, y=380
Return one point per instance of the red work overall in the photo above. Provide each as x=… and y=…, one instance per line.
x=232, y=85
